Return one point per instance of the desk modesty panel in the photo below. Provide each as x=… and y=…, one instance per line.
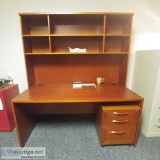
x=63, y=99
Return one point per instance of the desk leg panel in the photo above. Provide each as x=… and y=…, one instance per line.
x=25, y=121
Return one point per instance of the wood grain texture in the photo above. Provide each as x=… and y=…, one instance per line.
x=118, y=124
x=64, y=92
x=100, y=33
x=63, y=99
x=66, y=108
x=69, y=68
x=25, y=120
x=117, y=136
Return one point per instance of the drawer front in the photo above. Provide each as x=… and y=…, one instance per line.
x=120, y=122
x=114, y=112
x=117, y=136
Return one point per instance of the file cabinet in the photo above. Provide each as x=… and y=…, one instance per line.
x=6, y=117
x=118, y=124
x=146, y=82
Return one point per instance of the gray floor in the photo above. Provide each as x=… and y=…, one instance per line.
x=75, y=138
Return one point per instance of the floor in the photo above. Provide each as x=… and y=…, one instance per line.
x=75, y=138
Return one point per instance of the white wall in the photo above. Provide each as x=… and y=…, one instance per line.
x=146, y=27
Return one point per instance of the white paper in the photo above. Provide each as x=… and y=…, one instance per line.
x=1, y=105
x=80, y=85
x=77, y=86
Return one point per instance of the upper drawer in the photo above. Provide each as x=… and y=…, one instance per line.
x=120, y=111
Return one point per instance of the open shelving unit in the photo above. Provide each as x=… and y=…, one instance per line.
x=105, y=36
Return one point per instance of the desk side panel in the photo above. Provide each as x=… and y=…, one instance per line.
x=24, y=120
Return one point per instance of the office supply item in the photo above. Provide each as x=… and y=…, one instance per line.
x=81, y=85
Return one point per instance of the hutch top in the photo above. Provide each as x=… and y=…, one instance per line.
x=47, y=40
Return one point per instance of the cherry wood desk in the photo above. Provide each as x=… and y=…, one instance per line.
x=64, y=99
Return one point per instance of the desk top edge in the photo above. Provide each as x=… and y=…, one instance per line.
x=64, y=93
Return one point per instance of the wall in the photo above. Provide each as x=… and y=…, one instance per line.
x=146, y=31
x=146, y=28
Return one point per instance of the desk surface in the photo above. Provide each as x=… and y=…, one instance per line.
x=66, y=94
x=62, y=93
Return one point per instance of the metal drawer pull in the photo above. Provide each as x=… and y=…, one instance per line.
x=118, y=133
x=115, y=121
x=121, y=114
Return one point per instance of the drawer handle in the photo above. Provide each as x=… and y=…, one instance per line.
x=120, y=114
x=118, y=133
x=115, y=121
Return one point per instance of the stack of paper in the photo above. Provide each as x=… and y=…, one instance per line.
x=80, y=85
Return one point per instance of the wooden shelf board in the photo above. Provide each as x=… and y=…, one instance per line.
x=74, y=13
x=117, y=35
x=78, y=35
x=35, y=35
x=57, y=53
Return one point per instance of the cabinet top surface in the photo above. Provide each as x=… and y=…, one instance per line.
x=6, y=88
x=63, y=93
x=85, y=13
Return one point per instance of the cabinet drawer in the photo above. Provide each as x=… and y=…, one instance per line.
x=125, y=112
x=120, y=121
x=117, y=136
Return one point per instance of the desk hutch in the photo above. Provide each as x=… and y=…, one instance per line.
x=51, y=69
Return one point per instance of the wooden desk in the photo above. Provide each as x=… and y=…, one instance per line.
x=63, y=99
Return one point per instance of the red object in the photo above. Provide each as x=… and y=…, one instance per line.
x=6, y=117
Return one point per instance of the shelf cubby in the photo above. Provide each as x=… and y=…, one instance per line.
x=76, y=24
x=34, y=24
x=118, y=24
x=36, y=44
x=92, y=44
x=117, y=44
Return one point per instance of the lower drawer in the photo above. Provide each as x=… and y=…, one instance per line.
x=117, y=136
